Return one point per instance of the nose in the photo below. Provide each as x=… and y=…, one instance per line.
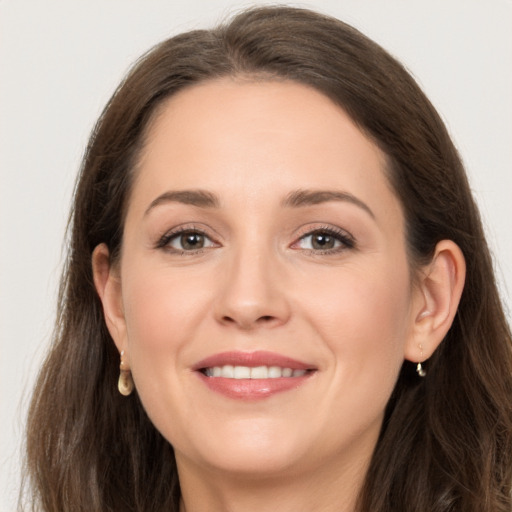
x=254, y=292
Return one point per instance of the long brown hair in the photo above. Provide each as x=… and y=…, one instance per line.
x=446, y=441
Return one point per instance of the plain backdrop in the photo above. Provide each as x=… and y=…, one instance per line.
x=61, y=60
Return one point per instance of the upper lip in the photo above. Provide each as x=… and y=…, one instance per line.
x=252, y=359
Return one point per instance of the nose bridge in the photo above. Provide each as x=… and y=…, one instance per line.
x=253, y=292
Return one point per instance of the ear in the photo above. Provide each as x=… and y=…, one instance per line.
x=107, y=282
x=435, y=300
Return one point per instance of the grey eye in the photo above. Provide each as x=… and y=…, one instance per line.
x=320, y=241
x=190, y=241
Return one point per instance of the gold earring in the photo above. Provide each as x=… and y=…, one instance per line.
x=125, y=382
x=419, y=368
x=420, y=371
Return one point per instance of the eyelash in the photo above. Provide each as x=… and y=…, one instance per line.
x=165, y=240
x=346, y=240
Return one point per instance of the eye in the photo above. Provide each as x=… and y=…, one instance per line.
x=186, y=241
x=325, y=240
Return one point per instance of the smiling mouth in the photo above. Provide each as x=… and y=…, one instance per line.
x=257, y=372
x=252, y=375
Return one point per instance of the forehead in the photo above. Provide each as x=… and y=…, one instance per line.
x=279, y=112
x=242, y=138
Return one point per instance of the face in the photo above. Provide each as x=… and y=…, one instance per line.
x=264, y=291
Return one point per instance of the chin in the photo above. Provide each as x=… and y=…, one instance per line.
x=251, y=464
x=249, y=448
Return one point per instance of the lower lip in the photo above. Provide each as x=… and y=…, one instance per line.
x=252, y=389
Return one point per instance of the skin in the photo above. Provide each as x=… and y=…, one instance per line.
x=352, y=313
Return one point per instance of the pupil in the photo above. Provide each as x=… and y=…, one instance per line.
x=192, y=241
x=323, y=241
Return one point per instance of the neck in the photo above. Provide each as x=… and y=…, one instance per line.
x=327, y=489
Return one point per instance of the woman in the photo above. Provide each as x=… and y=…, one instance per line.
x=276, y=258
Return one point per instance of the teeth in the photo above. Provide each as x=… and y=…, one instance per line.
x=227, y=371
x=287, y=372
x=274, y=372
x=242, y=372
x=258, y=372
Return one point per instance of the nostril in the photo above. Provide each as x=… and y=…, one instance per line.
x=246, y=322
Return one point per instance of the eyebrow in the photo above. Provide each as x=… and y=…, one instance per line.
x=200, y=198
x=296, y=199
x=300, y=198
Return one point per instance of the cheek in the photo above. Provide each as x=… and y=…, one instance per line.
x=363, y=319
x=360, y=297
x=163, y=312
x=161, y=305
